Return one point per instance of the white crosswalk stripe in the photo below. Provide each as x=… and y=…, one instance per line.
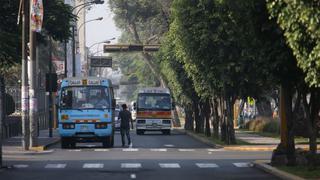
x=130, y=150
x=215, y=150
x=169, y=165
x=55, y=166
x=101, y=150
x=158, y=150
x=186, y=150
x=243, y=164
x=74, y=150
x=207, y=165
x=168, y=145
x=131, y=165
x=20, y=166
x=93, y=165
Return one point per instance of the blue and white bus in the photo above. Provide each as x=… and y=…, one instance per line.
x=86, y=111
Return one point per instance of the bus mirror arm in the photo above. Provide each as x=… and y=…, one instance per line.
x=173, y=106
x=114, y=103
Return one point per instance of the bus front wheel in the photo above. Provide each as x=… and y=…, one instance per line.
x=107, y=142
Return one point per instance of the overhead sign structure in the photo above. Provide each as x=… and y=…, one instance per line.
x=101, y=61
x=107, y=48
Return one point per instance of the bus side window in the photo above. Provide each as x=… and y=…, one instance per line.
x=67, y=99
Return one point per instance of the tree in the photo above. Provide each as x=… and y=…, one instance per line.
x=56, y=22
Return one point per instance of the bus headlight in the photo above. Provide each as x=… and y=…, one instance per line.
x=166, y=121
x=64, y=117
x=140, y=121
x=68, y=126
x=101, y=126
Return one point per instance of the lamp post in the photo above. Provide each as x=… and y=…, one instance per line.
x=83, y=5
x=74, y=44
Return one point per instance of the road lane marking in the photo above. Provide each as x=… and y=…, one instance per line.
x=74, y=150
x=169, y=165
x=131, y=165
x=130, y=150
x=55, y=166
x=207, y=165
x=209, y=152
x=158, y=150
x=20, y=166
x=101, y=150
x=242, y=164
x=215, y=150
x=133, y=176
x=93, y=165
x=169, y=145
x=186, y=150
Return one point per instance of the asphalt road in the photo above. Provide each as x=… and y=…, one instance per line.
x=153, y=156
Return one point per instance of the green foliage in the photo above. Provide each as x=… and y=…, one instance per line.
x=300, y=21
x=9, y=34
x=56, y=22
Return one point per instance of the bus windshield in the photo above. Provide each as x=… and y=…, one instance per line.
x=152, y=101
x=85, y=97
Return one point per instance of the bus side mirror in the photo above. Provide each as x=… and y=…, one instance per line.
x=135, y=106
x=114, y=103
x=173, y=106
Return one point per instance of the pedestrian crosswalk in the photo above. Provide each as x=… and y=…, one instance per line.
x=130, y=165
x=181, y=150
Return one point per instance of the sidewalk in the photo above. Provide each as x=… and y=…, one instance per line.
x=13, y=145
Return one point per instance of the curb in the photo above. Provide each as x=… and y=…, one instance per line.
x=35, y=150
x=232, y=148
x=205, y=141
x=262, y=165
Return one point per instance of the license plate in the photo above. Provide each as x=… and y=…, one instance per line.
x=84, y=128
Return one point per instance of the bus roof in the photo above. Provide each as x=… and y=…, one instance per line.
x=155, y=90
x=91, y=81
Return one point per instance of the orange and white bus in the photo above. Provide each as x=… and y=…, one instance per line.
x=154, y=106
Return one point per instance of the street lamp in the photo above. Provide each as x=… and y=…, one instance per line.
x=74, y=44
x=97, y=19
x=73, y=38
x=105, y=41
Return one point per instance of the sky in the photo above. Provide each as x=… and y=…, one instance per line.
x=97, y=31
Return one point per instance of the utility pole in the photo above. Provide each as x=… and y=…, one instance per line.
x=24, y=79
x=50, y=88
x=73, y=52
x=2, y=114
x=65, y=59
x=33, y=100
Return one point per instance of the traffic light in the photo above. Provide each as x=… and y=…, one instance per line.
x=107, y=48
x=51, y=82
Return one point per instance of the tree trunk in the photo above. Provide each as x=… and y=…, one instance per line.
x=207, y=117
x=202, y=117
x=196, y=116
x=312, y=115
x=215, y=118
x=188, y=119
x=231, y=139
x=264, y=107
x=290, y=125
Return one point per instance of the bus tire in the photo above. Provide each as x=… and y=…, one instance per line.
x=166, y=132
x=64, y=143
x=107, y=142
x=139, y=132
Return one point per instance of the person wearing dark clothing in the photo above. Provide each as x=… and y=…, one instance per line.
x=126, y=119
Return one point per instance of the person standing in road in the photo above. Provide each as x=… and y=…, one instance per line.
x=126, y=119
